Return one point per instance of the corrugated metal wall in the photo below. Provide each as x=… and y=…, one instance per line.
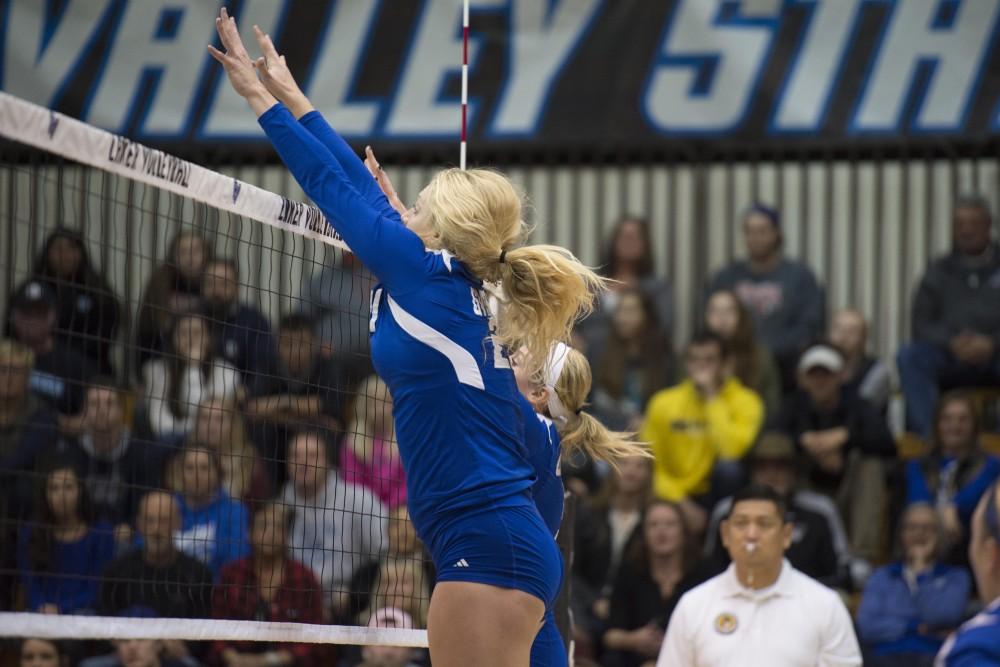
x=867, y=228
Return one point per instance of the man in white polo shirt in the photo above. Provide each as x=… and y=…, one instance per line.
x=761, y=612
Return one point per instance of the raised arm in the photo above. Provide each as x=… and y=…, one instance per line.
x=391, y=251
x=278, y=80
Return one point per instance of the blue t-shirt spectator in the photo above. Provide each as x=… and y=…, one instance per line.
x=72, y=581
x=972, y=477
x=216, y=533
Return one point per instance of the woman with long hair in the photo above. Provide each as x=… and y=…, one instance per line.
x=652, y=578
x=955, y=473
x=173, y=288
x=219, y=427
x=62, y=553
x=635, y=362
x=555, y=426
x=369, y=455
x=749, y=361
x=401, y=583
x=88, y=311
x=188, y=374
x=443, y=358
x=629, y=263
x=606, y=526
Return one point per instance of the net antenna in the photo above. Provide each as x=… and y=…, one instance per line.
x=465, y=83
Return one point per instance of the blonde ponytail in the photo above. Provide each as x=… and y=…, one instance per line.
x=579, y=431
x=546, y=291
x=476, y=216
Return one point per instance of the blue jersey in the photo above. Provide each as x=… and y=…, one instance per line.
x=541, y=439
x=976, y=643
x=458, y=423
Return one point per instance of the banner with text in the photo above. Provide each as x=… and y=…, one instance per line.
x=557, y=79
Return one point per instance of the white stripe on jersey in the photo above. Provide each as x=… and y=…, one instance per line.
x=461, y=360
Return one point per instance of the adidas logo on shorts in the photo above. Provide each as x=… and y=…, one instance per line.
x=461, y=563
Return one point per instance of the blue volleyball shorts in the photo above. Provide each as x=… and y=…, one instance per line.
x=508, y=547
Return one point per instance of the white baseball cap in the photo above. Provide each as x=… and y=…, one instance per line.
x=821, y=356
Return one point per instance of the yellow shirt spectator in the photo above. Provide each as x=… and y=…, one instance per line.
x=688, y=433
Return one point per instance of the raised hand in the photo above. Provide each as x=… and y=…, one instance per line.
x=276, y=76
x=239, y=67
x=383, y=181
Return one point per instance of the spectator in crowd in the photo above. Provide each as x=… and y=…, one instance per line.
x=604, y=531
x=27, y=428
x=36, y=652
x=189, y=373
x=117, y=467
x=338, y=296
x=389, y=656
x=310, y=389
x=267, y=586
x=156, y=578
x=220, y=428
x=633, y=363
x=144, y=653
x=819, y=542
x=786, y=300
x=63, y=551
x=628, y=261
x=337, y=526
x=60, y=374
x=174, y=288
x=369, y=456
x=955, y=319
x=87, y=309
x=761, y=610
x=954, y=474
x=700, y=429
x=864, y=375
x=909, y=606
x=214, y=527
x=977, y=642
x=844, y=440
x=242, y=335
x=749, y=361
x=401, y=583
x=653, y=576
x=403, y=545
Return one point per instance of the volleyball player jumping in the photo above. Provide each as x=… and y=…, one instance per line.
x=458, y=422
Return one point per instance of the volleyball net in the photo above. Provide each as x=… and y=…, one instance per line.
x=193, y=443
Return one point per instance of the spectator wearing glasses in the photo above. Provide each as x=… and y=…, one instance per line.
x=909, y=606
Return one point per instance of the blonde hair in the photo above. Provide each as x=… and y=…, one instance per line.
x=237, y=456
x=581, y=431
x=361, y=433
x=13, y=352
x=476, y=215
x=416, y=605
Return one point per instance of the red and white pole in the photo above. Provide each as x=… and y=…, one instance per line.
x=465, y=80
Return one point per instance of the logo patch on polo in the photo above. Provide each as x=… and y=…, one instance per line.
x=725, y=624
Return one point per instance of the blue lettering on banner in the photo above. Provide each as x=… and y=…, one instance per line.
x=237, y=186
x=711, y=57
x=931, y=59
x=140, y=68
